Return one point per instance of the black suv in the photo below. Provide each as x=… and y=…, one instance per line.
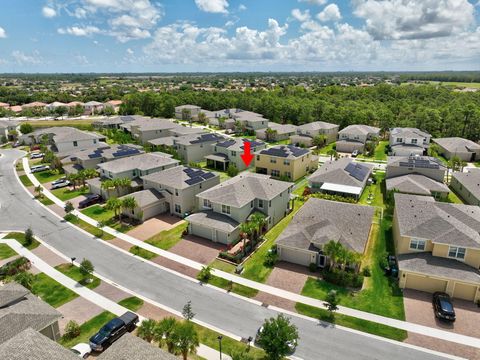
x=89, y=200
x=443, y=307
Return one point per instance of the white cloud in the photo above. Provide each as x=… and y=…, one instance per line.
x=414, y=19
x=212, y=6
x=330, y=13
x=49, y=12
x=79, y=31
x=81, y=60
x=3, y=33
x=130, y=51
x=23, y=59
x=301, y=16
x=314, y=2
x=242, y=7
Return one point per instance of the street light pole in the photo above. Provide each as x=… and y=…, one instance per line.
x=220, y=337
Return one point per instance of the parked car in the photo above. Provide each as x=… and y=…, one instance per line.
x=391, y=268
x=60, y=183
x=292, y=345
x=16, y=144
x=37, y=155
x=82, y=350
x=443, y=307
x=89, y=200
x=38, y=168
x=113, y=330
x=355, y=153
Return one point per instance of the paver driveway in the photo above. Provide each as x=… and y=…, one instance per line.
x=78, y=309
x=198, y=249
x=155, y=225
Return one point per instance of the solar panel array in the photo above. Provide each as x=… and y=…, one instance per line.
x=122, y=150
x=358, y=171
x=206, y=138
x=285, y=150
x=196, y=176
x=417, y=162
x=226, y=144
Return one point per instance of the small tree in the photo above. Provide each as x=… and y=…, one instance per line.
x=187, y=312
x=86, y=269
x=26, y=128
x=232, y=170
x=100, y=225
x=241, y=355
x=28, y=237
x=68, y=207
x=146, y=330
x=277, y=337
x=72, y=330
x=319, y=141
x=205, y=274
x=39, y=191
x=331, y=302
x=25, y=279
x=185, y=338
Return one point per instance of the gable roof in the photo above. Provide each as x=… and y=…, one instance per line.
x=415, y=184
x=180, y=177
x=452, y=224
x=414, y=161
x=141, y=162
x=285, y=151
x=198, y=139
x=318, y=221
x=65, y=134
x=317, y=125
x=241, y=189
x=280, y=128
x=360, y=129
x=408, y=132
x=470, y=180
x=145, y=198
x=457, y=144
x=343, y=171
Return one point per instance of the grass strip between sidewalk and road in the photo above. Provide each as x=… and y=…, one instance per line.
x=6, y=251
x=132, y=303
x=88, y=228
x=73, y=272
x=20, y=237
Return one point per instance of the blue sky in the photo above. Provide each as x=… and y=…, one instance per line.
x=238, y=35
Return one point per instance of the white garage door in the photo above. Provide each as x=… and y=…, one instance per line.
x=423, y=283
x=295, y=256
x=201, y=231
x=153, y=211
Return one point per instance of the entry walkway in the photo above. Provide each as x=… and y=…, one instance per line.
x=399, y=324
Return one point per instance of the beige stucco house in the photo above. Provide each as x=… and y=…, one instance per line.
x=307, y=132
x=467, y=185
x=354, y=137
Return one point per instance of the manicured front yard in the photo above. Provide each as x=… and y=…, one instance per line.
x=6, y=251
x=99, y=213
x=88, y=228
x=51, y=291
x=131, y=303
x=168, y=238
x=89, y=328
x=20, y=237
x=74, y=273
x=65, y=194
x=379, y=153
x=48, y=176
x=25, y=180
x=147, y=255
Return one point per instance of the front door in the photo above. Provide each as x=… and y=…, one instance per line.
x=322, y=261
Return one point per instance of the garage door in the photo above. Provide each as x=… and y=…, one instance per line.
x=464, y=291
x=424, y=283
x=154, y=210
x=201, y=231
x=294, y=256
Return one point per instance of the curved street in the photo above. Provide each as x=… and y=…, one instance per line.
x=237, y=316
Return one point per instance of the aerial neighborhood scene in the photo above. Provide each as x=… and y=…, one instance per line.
x=239, y=180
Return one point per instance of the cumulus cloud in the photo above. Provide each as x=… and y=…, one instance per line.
x=49, y=12
x=79, y=30
x=212, y=6
x=314, y=2
x=242, y=7
x=301, y=16
x=130, y=51
x=330, y=13
x=3, y=33
x=22, y=58
x=414, y=19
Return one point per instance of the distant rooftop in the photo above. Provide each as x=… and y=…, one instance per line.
x=342, y=171
x=408, y=132
x=180, y=177
x=457, y=144
x=198, y=138
x=417, y=162
x=360, y=130
x=470, y=181
x=317, y=125
x=237, y=144
x=141, y=162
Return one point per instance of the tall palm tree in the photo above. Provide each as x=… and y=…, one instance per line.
x=257, y=220
x=129, y=203
x=107, y=185
x=246, y=230
x=164, y=330
x=114, y=204
x=333, y=250
x=73, y=178
x=333, y=153
x=185, y=338
x=122, y=183
x=146, y=330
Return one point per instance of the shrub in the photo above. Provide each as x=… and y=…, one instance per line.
x=334, y=197
x=232, y=170
x=270, y=259
x=14, y=267
x=72, y=330
x=312, y=267
x=343, y=278
x=366, y=271
x=205, y=274
x=28, y=237
x=25, y=279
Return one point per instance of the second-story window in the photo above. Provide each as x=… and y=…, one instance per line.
x=273, y=161
x=457, y=252
x=225, y=209
x=176, y=192
x=287, y=162
x=75, y=143
x=260, y=203
x=414, y=141
x=417, y=244
x=399, y=139
x=207, y=204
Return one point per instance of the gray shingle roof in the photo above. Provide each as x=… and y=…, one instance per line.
x=416, y=184
x=335, y=172
x=469, y=180
x=243, y=188
x=32, y=345
x=11, y=292
x=27, y=311
x=425, y=263
x=408, y=132
x=457, y=144
x=423, y=217
x=142, y=162
x=65, y=133
x=198, y=139
x=187, y=106
x=319, y=221
x=281, y=128
x=420, y=162
x=285, y=151
x=130, y=347
x=214, y=220
x=146, y=198
x=179, y=177
x=360, y=130
x=317, y=125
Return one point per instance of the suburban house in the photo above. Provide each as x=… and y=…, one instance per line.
x=34, y=105
x=149, y=203
x=467, y=185
x=423, y=165
x=194, y=148
x=228, y=152
x=92, y=157
x=227, y=205
x=276, y=132
x=6, y=126
x=285, y=161
x=63, y=139
x=354, y=137
x=20, y=310
x=187, y=112
x=92, y=107
x=438, y=246
x=307, y=132
x=250, y=121
x=148, y=129
x=55, y=105
x=223, y=118
x=464, y=149
x=113, y=104
x=319, y=221
x=117, y=122
x=341, y=177
x=408, y=141
x=179, y=186
x=417, y=185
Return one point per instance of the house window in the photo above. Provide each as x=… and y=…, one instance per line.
x=258, y=157
x=288, y=174
x=178, y=209
x=457, y=252
x=399, y=139
x=251, y=204
x=176, y=192
x=200, y=185
x=287, y=162
x=234, y=153
x=273, y=161
x=275, y=173
x=207, y=204
x=260, y=203
x=225, y=209
x=416, y=244
x=414, y=141
x=75, y=143
x=270, y=203
x=94, y=141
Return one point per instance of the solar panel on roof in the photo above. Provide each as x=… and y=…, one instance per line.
x=188, y=170
x=208, y=175
x=94, y=155
x=358, y=171
x=194, y=180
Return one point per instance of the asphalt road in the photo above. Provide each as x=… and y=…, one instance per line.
x=18, y=211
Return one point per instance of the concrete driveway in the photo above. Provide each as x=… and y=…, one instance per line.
x=419, y=309
x=155, y=225
x=79, y=310
x=198, y=249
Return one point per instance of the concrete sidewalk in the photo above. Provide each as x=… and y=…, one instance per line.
x=411, y=327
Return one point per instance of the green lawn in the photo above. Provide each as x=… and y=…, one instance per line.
x=6, y=251
x=65, y=194
x=25, y=180
x=324, y=150
x=477, y=164
x=89, y=328
x=168, y=238
x=45, y=201
x=235, y=288
x=99, y=213
x=131, y=303
x=51, y=291
x=48, y=176
x=74, y=273
x=376, y=190
x=353, y=323
x=254, y=268
x=379, y=153
x=224, y=266
x=88, y=228
x=148, y=255
x=454, y=198
x=20, y=237
x=279, y=142
x=79, y=124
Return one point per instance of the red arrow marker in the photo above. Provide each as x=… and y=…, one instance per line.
x=247, y=157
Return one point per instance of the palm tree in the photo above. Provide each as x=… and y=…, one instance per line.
x=115, y=205
x=257, y=220
x=164, y=330
x=333, y=153
x=39, y=191
x=146, y=330
x=270, y=134
x=82, y=177
x=129, y=203
x=73, y=178
x=333, y=250
x=202, y=117
x=245, y=230
x=185, y=338
x=121, y=183
x=107, y=185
